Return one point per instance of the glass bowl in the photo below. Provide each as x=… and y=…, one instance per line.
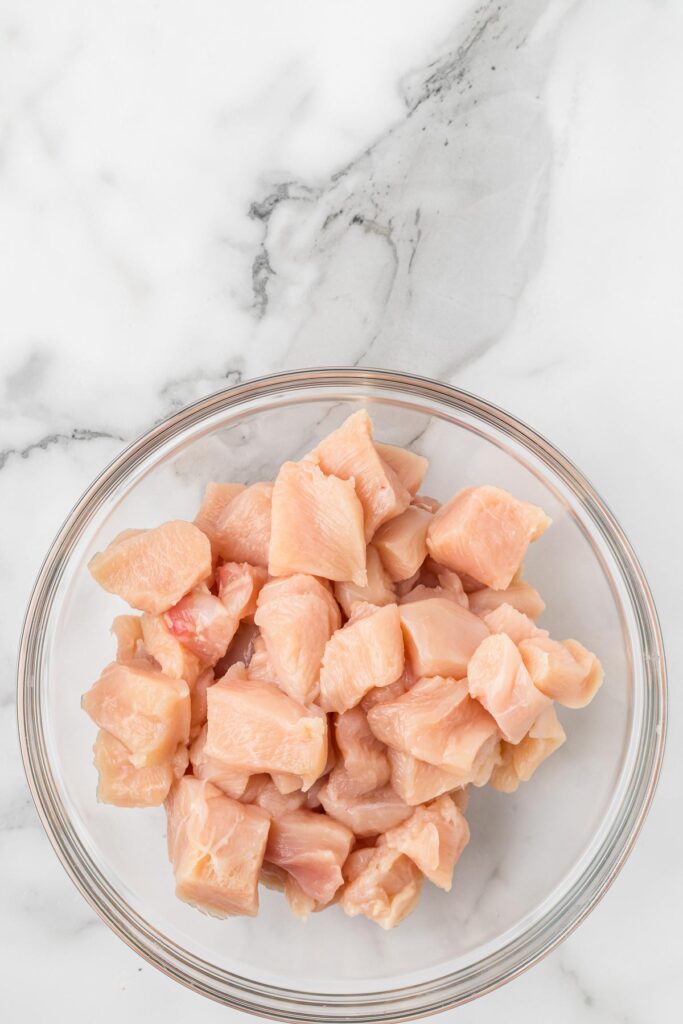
x=538, y=860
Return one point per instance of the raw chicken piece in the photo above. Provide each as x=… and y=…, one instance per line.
x=517, y=625
x=522, y=596
x=128, y=632
x=382, y=694
x=520, y=761
x=198, y=705
x=497, y=677
x=386, y=889
x=567, y=672
x=180, y=761
x=366, y=815
x=312, y=848
x=153, y=569
x=270, y=799
x=484, y=531
x=433, y=837
x=239, y=585
x=217, y=497
x=254, y=726
x=349, y=453
x=402, y=543
x=364, y=758
x=428, y=504
x=286, y=783
x=242, y=531
x=175, y=659
x=357, y=861
x=231, y=781
x=202, y=624
x=216, y=846
x=437, y=721
x=408, y=466
x=297, y=615
x=260, y=665
x=416, y=781
x=440, y=636
x=378, y=590
x=317, y=525
x=124, y=785
x=144, y=709
x=366, y=652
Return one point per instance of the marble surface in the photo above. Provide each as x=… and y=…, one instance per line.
x=192, y=194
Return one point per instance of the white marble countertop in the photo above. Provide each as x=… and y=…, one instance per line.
x=195, y=193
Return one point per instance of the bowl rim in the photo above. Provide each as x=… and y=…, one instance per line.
x=274, y=1002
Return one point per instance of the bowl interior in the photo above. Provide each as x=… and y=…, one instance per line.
x=527, y=850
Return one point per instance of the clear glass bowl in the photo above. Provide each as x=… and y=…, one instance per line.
x=538, y=861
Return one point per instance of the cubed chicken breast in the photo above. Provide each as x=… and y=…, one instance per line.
x=317, y=525
x=520, y=760
x=242, y=531
x=272, y=800
x=385, y=890
x=566, y=672
x=520, y=595
x=378, y=590
x=497, y=677
x=437, y=721
x=216, y=846
x=350, y=454
x=231, y=781
x=202, y=623
x=402, y=542
x=174, y=658
x=363, y=757
x=124, y=785
x=417, y=782
x=254, y=726
x=408, y=466
x=144, y=709
x=440, y=636
x=485, y=532
x=153, y=569
x=434, y=837
x=517, y=625
x=297, y=615
x=239, y=585
x=311, y=847
x=128, y=632
x=367, y=652
x=366, y=815
x=217, y=497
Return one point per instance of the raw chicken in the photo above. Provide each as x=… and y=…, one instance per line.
x=402, y=543
x=408, y=466
x=350, y=454
x=239, y=585
x=231, y=781
x=485, y=532
x=312, y=848
x=433, y=837
x=519, y=595
x=202, y=623
x=297, y=615
x=144, y=709
x=366, y=815
x=366, y=652
x=198, y=704
x=175, y=658
x=216, y=846
x=128, y=632
x=270, y=799
x=567, y=672
x=440, y=636
x=254, y=726
x=497, y=677
x=260, y=665
x=153, y=569
x=242, y=531
x=364, y=758
x=437, y=721
x=517, y=625
x=416, y=781
x=317, y=525
x=124, y=785
x=378, y=590
x=386, y=889
x=520, y=760
x=217, y=497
